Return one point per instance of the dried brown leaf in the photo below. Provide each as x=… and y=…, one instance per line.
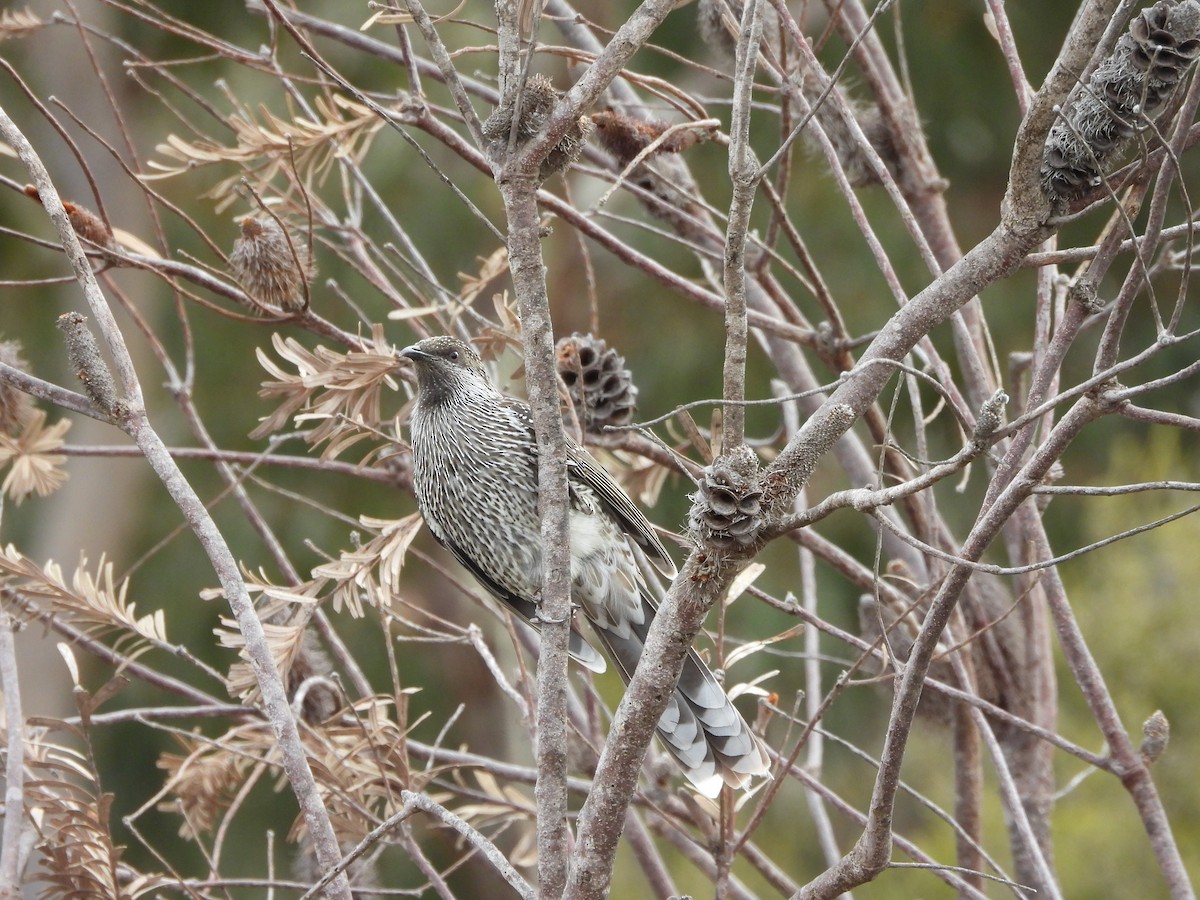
x=76, y=852
x=16, y=24
x=341, y=391
x=94, y=602
x=373, y=569
x=36, y=468
x=491, y=268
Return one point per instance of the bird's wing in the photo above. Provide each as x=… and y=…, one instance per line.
x=583, y=468
x=583, y=652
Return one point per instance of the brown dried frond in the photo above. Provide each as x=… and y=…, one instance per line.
x=359, y=761
x=491, y=341
x=371, y=571
x=491, y=268
x=15, y=405
x=284, y=641
x=16, y=24
x=207, y=777
x=361, y=764
x=285, y=612
x=94, y=603
x=267, y=146
x=342, y=391
x=501, y=807
x=272, y=265
x=75, y=847
x=36, y=468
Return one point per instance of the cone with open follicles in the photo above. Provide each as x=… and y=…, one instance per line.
x=476, y=479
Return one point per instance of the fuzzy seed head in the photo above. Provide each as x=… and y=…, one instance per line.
x=538, y=98
x=273, y=266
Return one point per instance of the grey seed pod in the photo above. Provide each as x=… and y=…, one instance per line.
x=1156, y=734
x=537, y=100
x=1126, y=91
x=727, y=508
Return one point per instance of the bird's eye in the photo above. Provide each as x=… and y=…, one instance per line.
x=453, y=356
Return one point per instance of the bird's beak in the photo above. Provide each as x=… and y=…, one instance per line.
x=414, y=353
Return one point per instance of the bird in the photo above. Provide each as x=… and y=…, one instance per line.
x=475, y=476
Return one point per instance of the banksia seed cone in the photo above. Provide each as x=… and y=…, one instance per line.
x=1127, y=89
x=1156, y=734
x=601, y=388
x=537, y=100
x=15, y=405
x=727, y=508
x=274, y=268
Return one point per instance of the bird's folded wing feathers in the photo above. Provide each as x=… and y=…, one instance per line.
x=583, y=652
x=582, y=468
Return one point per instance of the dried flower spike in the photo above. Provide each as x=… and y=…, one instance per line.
x=625, y=137
x=90, y=228
x=845, y=143
x=1127, y=90
x=15, y=405
x=719, y=22
x=600, y=386
x=537, y=101
x=273, y=266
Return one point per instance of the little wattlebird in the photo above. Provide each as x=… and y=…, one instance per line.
x=475, y=473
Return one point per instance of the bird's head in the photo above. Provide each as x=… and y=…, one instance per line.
x=445, y=366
